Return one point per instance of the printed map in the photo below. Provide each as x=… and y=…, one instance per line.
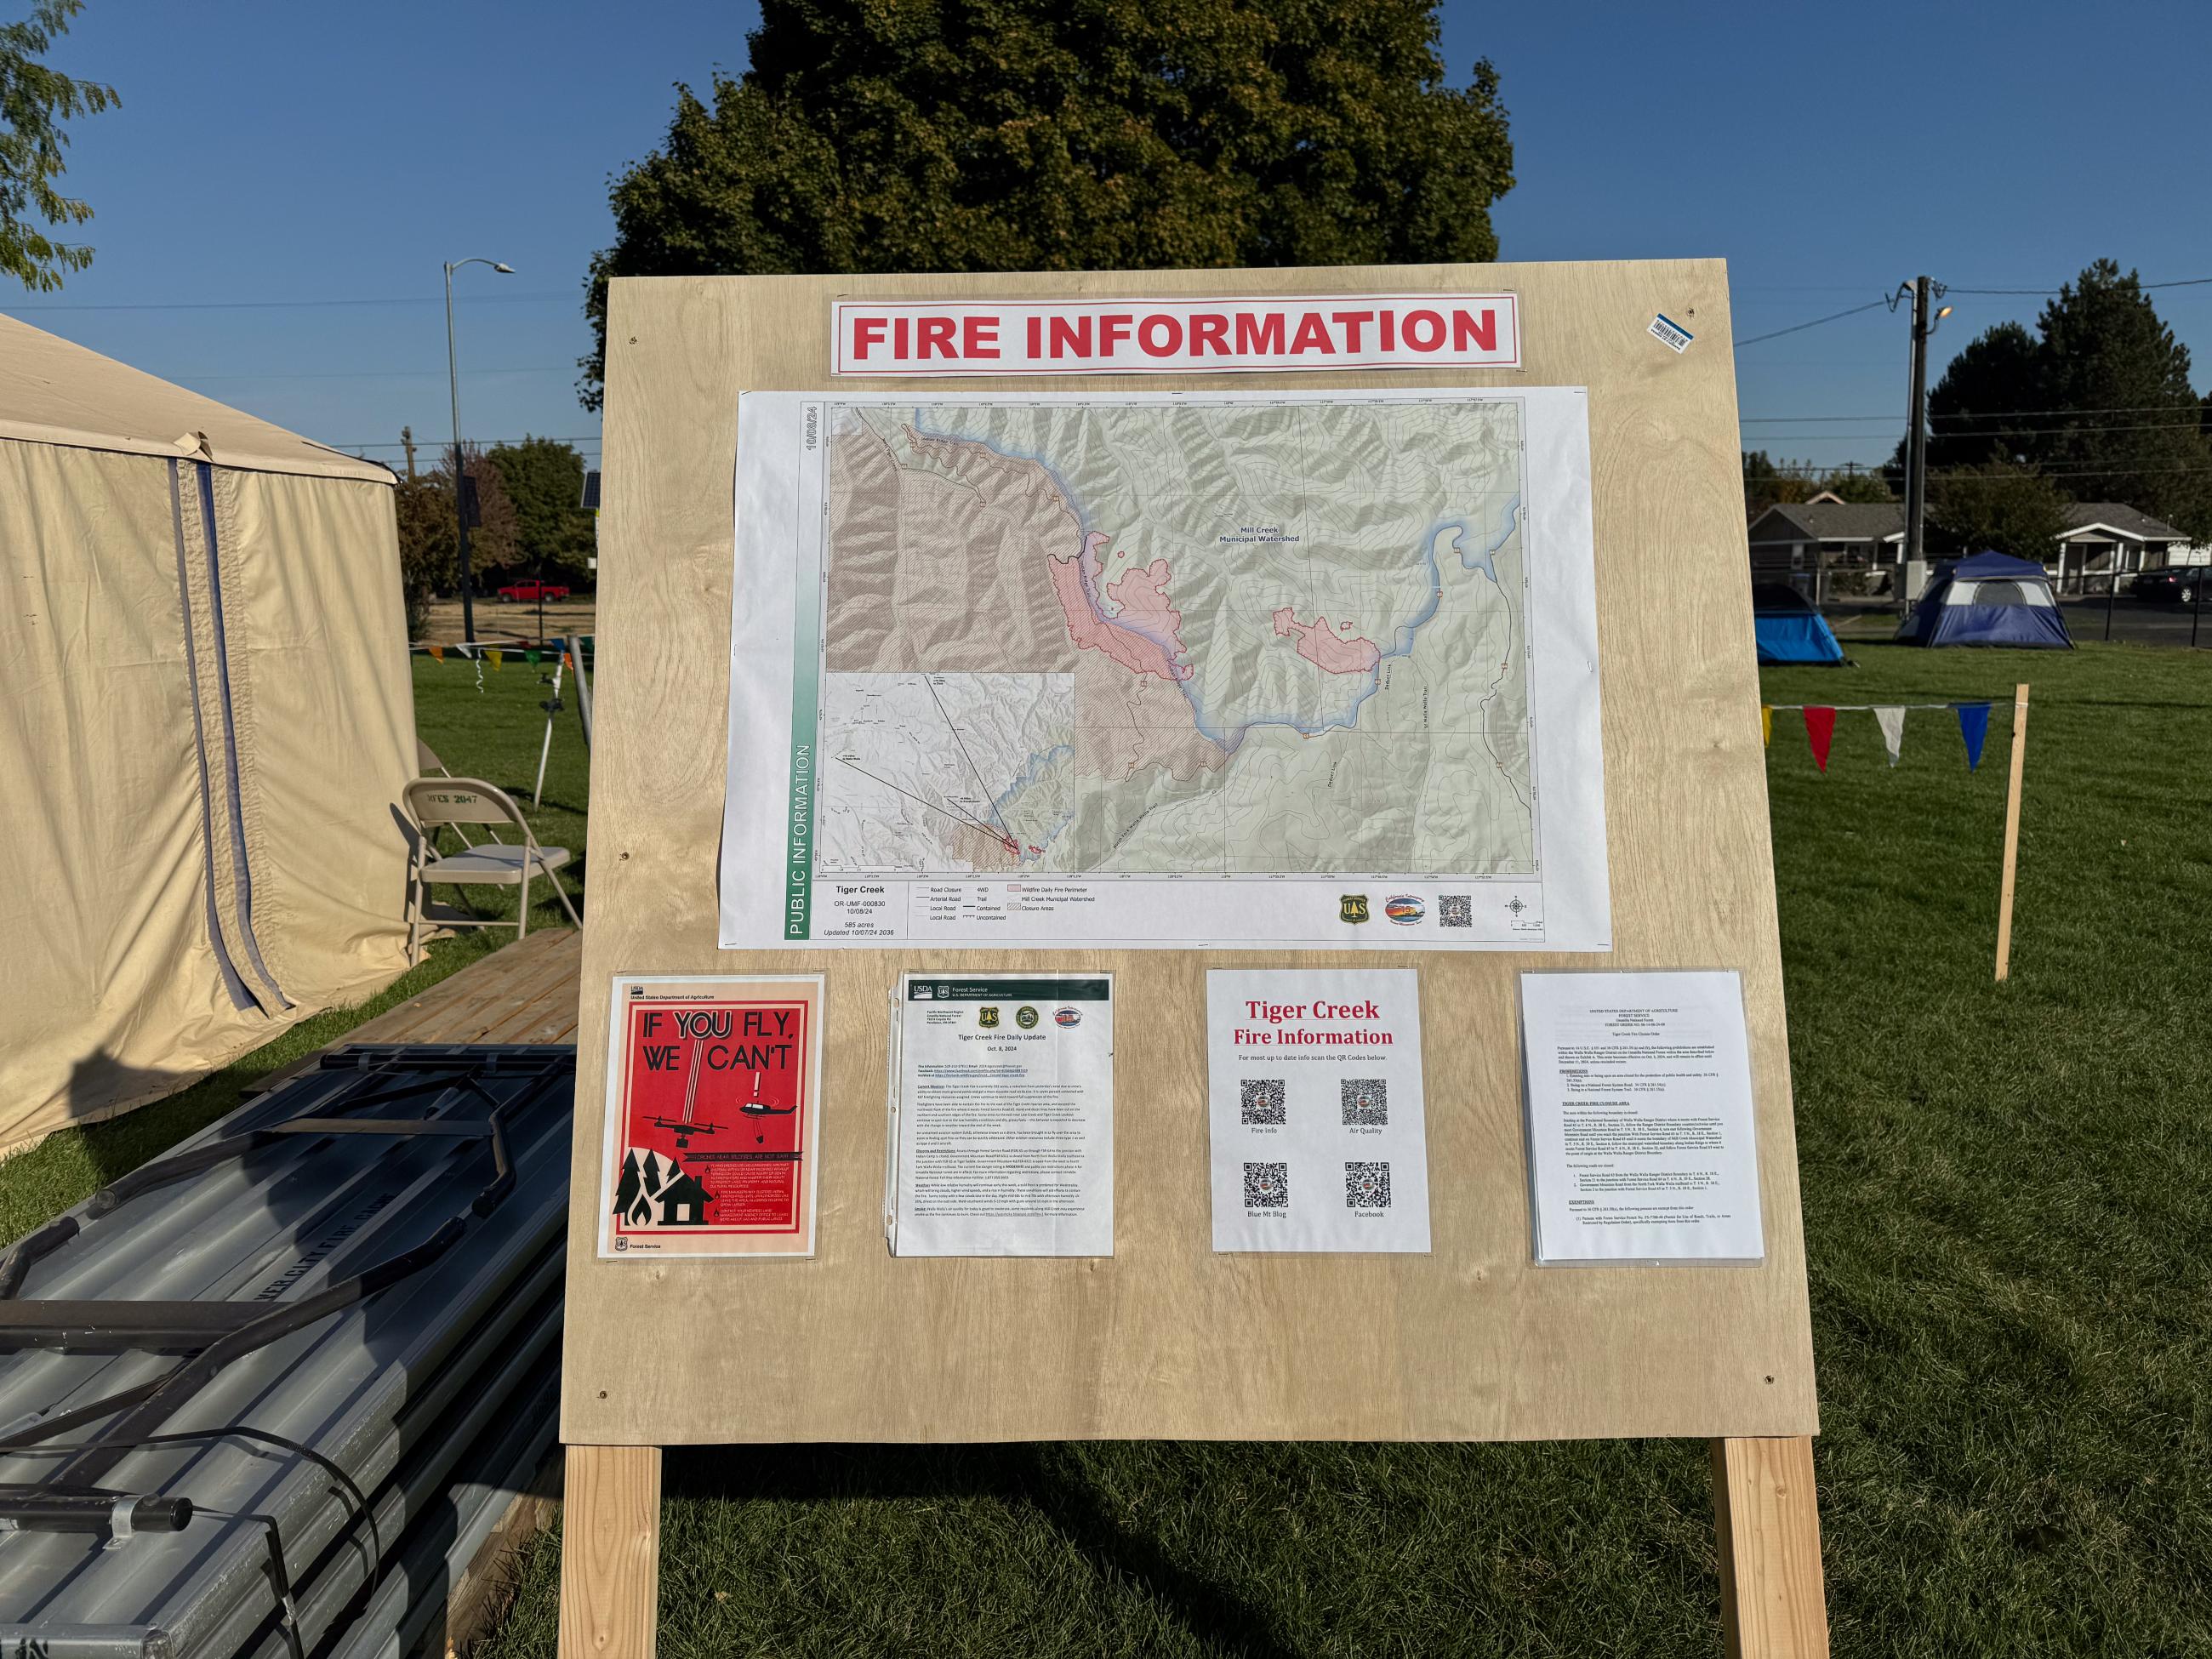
x=1234, y=638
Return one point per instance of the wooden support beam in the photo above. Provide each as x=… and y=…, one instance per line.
x=2012, y=830
x=1768, y=1526
x=610, y=1552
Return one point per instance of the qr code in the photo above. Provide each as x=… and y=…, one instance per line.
x=1455, y=910
x=1262, y=1099
x=1266, y=1186
x=1366, y=1100
x=1366, y=1186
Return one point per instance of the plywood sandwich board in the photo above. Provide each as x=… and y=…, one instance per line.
x=1165, y=1338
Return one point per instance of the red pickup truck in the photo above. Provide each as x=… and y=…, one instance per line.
x=532, y=590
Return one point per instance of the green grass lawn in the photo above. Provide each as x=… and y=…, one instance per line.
x=494, y=735
x=2008, y=1211
x=2009, y=1216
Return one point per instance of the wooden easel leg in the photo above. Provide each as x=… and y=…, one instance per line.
x=1768, y=1525
x=610, y=1552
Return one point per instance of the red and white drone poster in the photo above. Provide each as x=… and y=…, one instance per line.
x=713, y=1098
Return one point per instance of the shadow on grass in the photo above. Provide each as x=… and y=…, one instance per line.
x=1015, y=1474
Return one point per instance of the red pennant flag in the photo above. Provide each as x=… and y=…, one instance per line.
x=1820, y=730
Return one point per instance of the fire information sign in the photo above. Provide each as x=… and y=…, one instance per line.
x=713, y=1100
x=1176, y=336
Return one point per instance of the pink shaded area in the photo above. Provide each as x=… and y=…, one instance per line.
x=1320, y=645
x=1148, y=643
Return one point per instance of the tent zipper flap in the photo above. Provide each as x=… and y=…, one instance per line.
x=234, y=792
x=241, y=997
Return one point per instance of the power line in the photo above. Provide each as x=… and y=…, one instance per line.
x=1948, y=288
x=1969, y=415
x=1799, y=328
x=2183, y=281
x=291, y=305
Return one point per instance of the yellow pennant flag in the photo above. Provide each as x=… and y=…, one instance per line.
x=1766, y=724
x=438, y=652
x=498, y=657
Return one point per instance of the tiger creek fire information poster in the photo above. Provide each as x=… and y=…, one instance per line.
x=1314, y=1116
x=714, y=1105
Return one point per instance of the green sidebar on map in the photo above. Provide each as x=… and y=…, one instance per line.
x=1108, y=670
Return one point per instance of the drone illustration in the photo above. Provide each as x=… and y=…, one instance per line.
x=687, y=1127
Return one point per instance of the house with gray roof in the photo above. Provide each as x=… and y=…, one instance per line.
x=1805, y=541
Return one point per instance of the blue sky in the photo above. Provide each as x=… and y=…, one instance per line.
x=270, y=152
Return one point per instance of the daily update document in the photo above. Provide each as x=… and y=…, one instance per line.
x=1001, y=1136
x=1640, y=1129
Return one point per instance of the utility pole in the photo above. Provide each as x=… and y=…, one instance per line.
x=1916, y=433
x=1924, y=291
x=407, y=442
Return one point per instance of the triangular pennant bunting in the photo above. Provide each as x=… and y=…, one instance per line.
x=1820, y=731
x=438, y=652
x=1766, y=724
x=532, y=657
x=1974, y=728
x=498, y=657
x=1891, y=721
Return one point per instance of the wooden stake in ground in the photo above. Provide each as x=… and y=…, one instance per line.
x=2012, y=830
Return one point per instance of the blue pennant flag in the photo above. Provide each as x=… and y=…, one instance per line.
x=1974, y=728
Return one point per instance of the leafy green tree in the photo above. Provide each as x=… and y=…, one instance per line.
x=544, y=479
x=35, y=100
x=2135, y=437
x=429, y=542
x=1767, y=482
x=999, y=135
x=1980, y=397
x=2099, y=397
x=2012, y=509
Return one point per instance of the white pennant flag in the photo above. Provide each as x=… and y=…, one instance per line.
x=1891, y=721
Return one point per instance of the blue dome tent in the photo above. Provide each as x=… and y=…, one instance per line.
x=1790, y=630
x=1987, y=598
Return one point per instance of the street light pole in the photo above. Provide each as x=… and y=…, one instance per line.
x=460, y=483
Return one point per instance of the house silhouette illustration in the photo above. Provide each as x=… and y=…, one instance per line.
x=682, y=1202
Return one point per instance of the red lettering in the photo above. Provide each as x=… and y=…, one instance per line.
x=1112, y=330
x=1466, y=329
x=1312, y=335
x=936, y=331
x=1071, y=334
x=979, y=336
x=1259, y=336
x=1389, y=321
x=866, y=331
x=1209, y=326
x=1037, y=338
x=1160, y=319
x=1352, y=320
x=1430, y=321
x=898, y=338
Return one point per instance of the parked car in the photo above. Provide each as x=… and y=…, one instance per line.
x=2175, y=585
x=532, y=590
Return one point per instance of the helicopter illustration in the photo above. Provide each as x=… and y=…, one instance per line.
x=688, y=1126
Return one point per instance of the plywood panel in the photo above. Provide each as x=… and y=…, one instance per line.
x=1168, y=1339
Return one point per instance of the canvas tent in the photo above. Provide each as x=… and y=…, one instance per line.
x=1987, y=598
x=1789, y=629
x=206, y=724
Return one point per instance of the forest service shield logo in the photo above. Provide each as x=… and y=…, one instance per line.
x=1352, y=907
x=987, y=1017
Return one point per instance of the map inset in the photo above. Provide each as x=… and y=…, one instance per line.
x=1218, y=638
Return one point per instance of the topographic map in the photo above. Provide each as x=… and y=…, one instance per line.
x=1232, y=638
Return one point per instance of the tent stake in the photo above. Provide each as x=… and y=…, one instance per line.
x=2012, y=830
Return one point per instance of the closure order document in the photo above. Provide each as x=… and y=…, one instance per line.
x=1002, y=1138
x=1641, y=1138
